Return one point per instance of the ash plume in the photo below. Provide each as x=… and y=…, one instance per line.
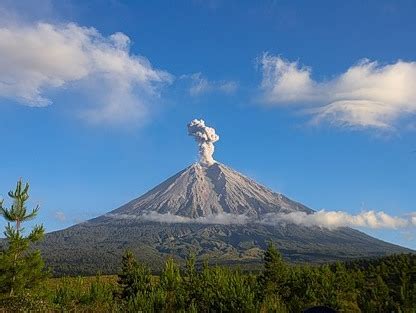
x=205, y=137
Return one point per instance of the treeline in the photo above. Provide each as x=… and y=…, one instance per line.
x=386, y=284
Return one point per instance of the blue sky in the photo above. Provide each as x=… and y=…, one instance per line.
x=313, y=99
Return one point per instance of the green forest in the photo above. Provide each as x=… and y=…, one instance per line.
x=386, y=284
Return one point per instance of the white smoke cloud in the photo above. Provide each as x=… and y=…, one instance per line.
x=40, y=57
x=205, y=137
x=366, y=95
x=324, y=219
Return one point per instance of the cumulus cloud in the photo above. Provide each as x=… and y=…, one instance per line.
x=322, y=219
x=201, y=85
x=41, y=57
x=368, y=94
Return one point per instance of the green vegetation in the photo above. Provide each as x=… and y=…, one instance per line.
x=20, y=268
x=386, y=284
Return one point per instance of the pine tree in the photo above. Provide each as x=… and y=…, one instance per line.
x=20, y=268
x=134, y=277
x=275, y=272
x=191, y=280
x=172, y=283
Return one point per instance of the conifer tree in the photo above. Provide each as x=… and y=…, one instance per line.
x=134, y=277
x=275, y=272
x=171, y=282
x=20, y=268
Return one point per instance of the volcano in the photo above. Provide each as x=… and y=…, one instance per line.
x=209, y=209
x=203, y=191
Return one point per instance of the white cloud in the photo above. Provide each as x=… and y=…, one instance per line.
x=37, y=58
x=413, y=218
x=323, y=219
x=221, y=218
x=336, y=219
x=366, y=95
x=60, y=216
x=201, y=85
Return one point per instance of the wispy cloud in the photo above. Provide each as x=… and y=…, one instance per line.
x=201, y=85
x=323, y=219
x=40, y=57
x=60, y=216
x=336, y=219
x=366, y=95
x=221, y=218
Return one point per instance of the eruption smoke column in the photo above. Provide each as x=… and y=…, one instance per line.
x=205, y=137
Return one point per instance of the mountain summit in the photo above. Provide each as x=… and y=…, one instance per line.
x=204, y=191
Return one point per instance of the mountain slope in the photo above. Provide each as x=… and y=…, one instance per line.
x=200, y=191
x=211, y=210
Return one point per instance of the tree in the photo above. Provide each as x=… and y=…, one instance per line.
x=20, y=268
x=134, y=277
x=275, y=273
x=172, y=283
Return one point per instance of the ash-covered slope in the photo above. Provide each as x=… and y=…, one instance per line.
x=178, y=216
x=201, y=191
